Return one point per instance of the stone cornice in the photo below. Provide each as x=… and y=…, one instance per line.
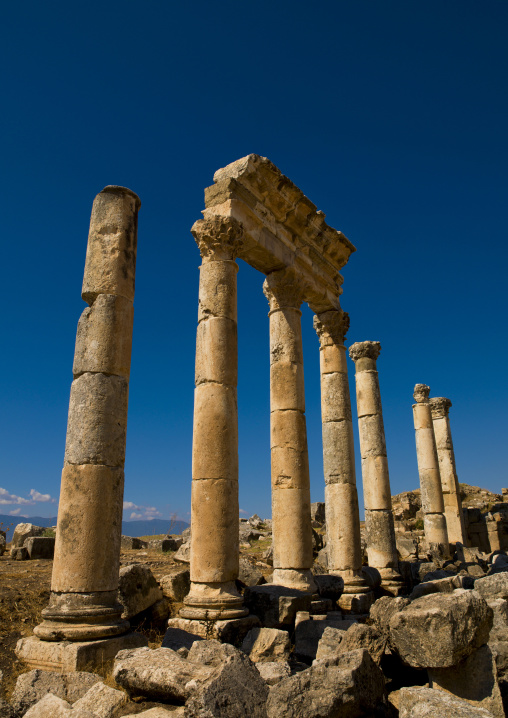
x=439, y=406
x=360, y=350
x=218, y=237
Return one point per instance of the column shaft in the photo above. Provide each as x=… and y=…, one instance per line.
x=291, y=522
x=341, y=496
x=381, y=546
x=449, y=481
x=214, y=507
x=428, y=468
x=83, y=603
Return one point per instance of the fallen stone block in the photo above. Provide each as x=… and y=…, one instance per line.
x=276, y=606
x=24, y=531
x=416, y=702
x=353, y=687
x=156, y=673
x=308, y=634
x=267, y=644
x=40, y=547
x=232, y=630
x=328, y=646
x=406, y=547
x=176, y=638
x=446, y=584
x=361, y=636
x=32, y=686
x=249, y=575
x=273, y=672
x=132, y=543
x=50, y=706
x=102, y=701
x=3, y=542
x=137, y=589
x=439, y=630
x=493, y=586
x=176, y=585
x=384, y=608
x=329, y=586
x=211, y=652
x=183, y=553
x=19, y=554
x=159, y=712
x=171, y=543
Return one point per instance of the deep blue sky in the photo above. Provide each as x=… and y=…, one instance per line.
x=391, y=116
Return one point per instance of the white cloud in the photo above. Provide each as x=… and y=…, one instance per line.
x=15, y=512
x=129, y=505
x=41, y=498
x=6, y=498
x=141, y=512
x=134, y=515
x=242, y=511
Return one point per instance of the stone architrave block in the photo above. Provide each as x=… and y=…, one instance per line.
x=420, y=702
x=40, y=547
x=137, y=589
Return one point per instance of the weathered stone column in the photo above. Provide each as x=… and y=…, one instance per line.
x=83, y=604
x=215, y=509
x=439, y=407
x=428, y=467
x=341, y=496
x=381, y=546
x=291, y=523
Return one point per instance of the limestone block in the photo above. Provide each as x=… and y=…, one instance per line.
x=332, y=358
x=380, y=535
x=473, y=680
x=376, y=483
x=291, y=507
x=354, y=687
x=276, y=606
x=338, y=453
x=32, y=686
x=290, y=468
x=372, y=436
x=214, y=538
x=493, y=586
x=51, y=706
x=211, y=652
x=335, y=399
x=343, y=525
x=132, y=543
x=273, y=671
x=417, y=702
x=87, y=547
x=286, y=337
x=112, y=242
x=435, y=529
x=217, y=352
x=368, y=397
x=104, y=337
x=102, y=701
x=215, y=437
x=248, y=574
x=329, y=586
x=97, y=423
x=24, y=531
x=160, y=712
x=359, y=636
x=19, y=554
x=287, y=389
x=159, y=674
x=267, y=644
x=137, y=589
x=176, y=585
x=177, y=638
x=171, y=543
x=328, y=646
x=439, y=630
x=288, y=429
x=40, y=547
x=183, y=553
x=217, y=290
x=231, y=630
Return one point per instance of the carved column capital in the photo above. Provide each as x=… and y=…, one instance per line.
x=331, y=327
x=421, y=393
x=362, y=350
x=439, y=406
x=284, y=288
x=218, y=237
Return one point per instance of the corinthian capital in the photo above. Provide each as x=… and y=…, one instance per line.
x=421, y=393
x=331, y=326
x=218, y=237
x=284, y=289
x=439, y=407
x=360, y=350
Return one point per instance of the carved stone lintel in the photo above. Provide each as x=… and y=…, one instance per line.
x=439, y=406
x=284, y=288
x=421, y=393
x=331, y=327
x=360, y=350
x=218, y=237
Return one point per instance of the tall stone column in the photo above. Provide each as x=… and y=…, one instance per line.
x=291, y=522
x=83, y=603
x=215, y=509
x=428, y=467
x=440, y=407
x=381, y=546
x=341, y=496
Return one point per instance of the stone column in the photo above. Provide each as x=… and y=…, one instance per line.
x=83, y=603
x=439, y=407
x=428, y=467
x=215, y=509
x=291, y=522
x=381, y=546
x=341, y=497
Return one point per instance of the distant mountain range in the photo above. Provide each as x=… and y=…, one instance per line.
x=148, y=527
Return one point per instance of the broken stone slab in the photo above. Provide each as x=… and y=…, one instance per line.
x=176, y=585
x=32, y=686
x=50, y=706
x=407, y=547
x=23, y=532
x=276, y=606
x=439, y=630
x=474, y=680
x=137, y=589
x=183, y=553
x=267, y=645
x=273, y=672
x=102, y=701
x=357, y=636
x=309, y=632
x=156, y=673
x=234, y=688
x=39, y=547
x=416, y=702
x=171, y=543
x=132, y=543
x=442, y=585
x=232, y=630
x=353, y=687
x=493, y=586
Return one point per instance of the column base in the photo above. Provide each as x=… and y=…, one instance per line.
x=392, y=583
x=213, y=601
x=357, y=596
x=82, y=617
x=301, y=579
x=67, y=656
x=232, y=630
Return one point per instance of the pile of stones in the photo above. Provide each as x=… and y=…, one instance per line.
x=28, y=542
